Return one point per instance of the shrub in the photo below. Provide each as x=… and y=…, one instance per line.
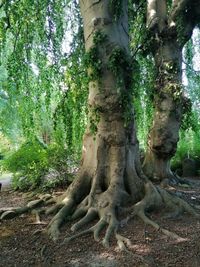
x=35, y=166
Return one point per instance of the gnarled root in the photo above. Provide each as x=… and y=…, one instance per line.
x=32, y=205
x=104, y=206
x=110, y=179
x=105, y=209
x=156, y=197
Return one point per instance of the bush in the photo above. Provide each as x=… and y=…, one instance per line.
x=25, y=157
x=28, y=164
x=35, y=166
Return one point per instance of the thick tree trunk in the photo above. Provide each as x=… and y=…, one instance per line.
x=110, y=147
x=170, y=28
x=168, y=104
x=111, y=175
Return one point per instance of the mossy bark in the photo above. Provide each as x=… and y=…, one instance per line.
x=168, y=109
x=170, y=28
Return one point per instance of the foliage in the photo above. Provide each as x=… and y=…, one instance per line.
x=92, y=58
x=116, y=7
x=28, y=164
x=44, y=85
x=35, y=165
x=27, y=155
x=40, y=92
x=188, y=147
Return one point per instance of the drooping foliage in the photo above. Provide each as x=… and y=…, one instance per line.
x=43, y=81
x=41, y=50
x=189, y=145
x=143, y=66
x=43, y=77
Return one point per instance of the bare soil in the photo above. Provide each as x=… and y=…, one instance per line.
x=23, y=243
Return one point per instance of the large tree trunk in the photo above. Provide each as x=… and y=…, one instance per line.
x=110, y=175
x=170, y=30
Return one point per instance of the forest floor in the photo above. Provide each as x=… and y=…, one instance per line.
x=22, y=245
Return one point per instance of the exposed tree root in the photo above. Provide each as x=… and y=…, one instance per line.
x=104, y=206
x=36, y=205
x=117, y=182
x=156, y=197
x=175, y=180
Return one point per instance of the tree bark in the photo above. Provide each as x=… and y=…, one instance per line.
x=111, y=150
x=170, y=33
x=168, y=103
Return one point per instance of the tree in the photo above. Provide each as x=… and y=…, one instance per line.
x=110, y=175
x=170, y=27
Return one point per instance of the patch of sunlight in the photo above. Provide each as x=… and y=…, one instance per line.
x=144, y=249
x=4, y=232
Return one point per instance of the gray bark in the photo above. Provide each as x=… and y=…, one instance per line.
x=170, y=33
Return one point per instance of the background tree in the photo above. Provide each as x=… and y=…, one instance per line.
x=170, y=27
x=188, y=146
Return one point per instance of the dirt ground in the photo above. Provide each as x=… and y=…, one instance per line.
x=21, y=244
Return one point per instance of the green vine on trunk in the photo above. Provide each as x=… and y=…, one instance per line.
x=99, y=38
x=93, y=63
x=92, y=58
x=121, y=66
x=175, y=90
x=94, y=118
x=116, y=8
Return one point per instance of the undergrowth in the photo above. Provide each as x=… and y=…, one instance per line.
x=36, y=167
x=188, y=147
